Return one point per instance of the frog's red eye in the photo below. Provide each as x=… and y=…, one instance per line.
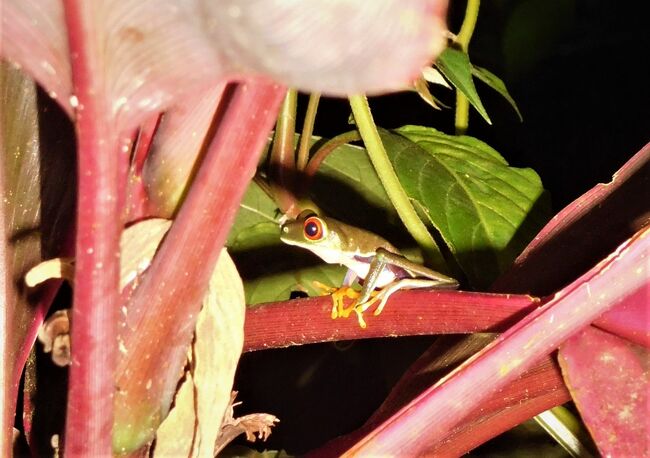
x=313, y=228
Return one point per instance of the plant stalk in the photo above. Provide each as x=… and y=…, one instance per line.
x=461, y=120
x=307, y=131
x=89, y=417
x=408, y=313
x=283, y=154
x=386, y=173
x=322, y=153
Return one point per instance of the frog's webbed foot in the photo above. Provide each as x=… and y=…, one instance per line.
x=338, y=298
x=359, y=309
x=339, y=309
x=323, y=288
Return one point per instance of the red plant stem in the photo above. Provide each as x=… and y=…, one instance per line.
x=536, y=390
x=94, y=315
x=441, y=407
x=165, y=305
x=319, y=156
x=283, y=157
x=304, y=321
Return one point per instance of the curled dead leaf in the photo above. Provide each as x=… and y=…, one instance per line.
x=138, y=245
x=218, y=343
x=259, y=424
x=431, y=75
x=56, y=447
x=55, y=337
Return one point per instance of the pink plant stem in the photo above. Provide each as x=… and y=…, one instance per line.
x=442, y=406
x=408, y=313
x=89, y=416
x=535, y=390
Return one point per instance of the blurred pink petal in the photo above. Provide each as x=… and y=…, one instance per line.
x=153, y=51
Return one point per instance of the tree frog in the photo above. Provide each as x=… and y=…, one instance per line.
x=367, y=256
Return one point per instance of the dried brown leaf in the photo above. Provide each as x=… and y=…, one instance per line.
x=252, y=424
x=55, y=337
x=219, y=340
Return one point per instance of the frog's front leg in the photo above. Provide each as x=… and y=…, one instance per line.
x=367, y=298
x=421, y=277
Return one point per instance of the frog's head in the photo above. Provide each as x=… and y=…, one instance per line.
x=314, y=233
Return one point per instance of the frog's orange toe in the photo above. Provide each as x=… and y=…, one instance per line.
x=323, y=288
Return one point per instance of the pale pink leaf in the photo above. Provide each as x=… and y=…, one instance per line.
x=608, y=378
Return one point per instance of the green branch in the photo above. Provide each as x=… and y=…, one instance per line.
x=389, y=180
x=307, y=131
x=464, y=36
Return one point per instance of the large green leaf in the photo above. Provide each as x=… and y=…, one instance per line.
x=484, y=210
x=455, y=65
x=347, y=187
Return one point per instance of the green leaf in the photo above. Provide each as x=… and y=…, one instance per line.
x=256, y=221
x=455, y=65
x=482, y=208
x=347, y=187
x=497, y=84
x=279, y=286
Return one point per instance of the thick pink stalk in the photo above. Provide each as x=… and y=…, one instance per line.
x=408, y=313
x=536, y=390
x=89, y=417
x=441, y=407
x=162, y=311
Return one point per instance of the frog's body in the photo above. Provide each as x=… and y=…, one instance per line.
x=366, y=255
